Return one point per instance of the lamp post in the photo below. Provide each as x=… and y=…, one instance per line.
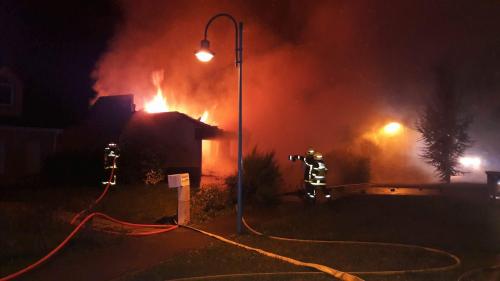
x=205, y=55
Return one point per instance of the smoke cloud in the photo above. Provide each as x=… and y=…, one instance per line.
x=317, y=74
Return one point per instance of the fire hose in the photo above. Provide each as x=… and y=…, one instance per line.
x=322, y=268
x=165, y=228
x=456, y=261
x=328, y=270
x=479, y=270
x=345, y=276
x=95, y=202
x=162, y=228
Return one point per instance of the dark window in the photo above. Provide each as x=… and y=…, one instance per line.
x=6, y=94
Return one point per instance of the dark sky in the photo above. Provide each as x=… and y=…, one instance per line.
x=53, y=47
x=335, y=67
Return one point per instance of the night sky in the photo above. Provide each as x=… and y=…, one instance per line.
x=335, y=67
x=53, y=46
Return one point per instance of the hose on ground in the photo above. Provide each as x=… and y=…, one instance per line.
x=465, y=275
x=328, y=270
x=95, y=202
x=32, y=266
x=456, y=260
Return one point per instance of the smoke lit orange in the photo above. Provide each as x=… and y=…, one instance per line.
x=159, y=102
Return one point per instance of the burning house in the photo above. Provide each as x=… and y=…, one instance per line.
x=169, y=141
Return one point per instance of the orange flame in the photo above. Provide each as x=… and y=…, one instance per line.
x=159, y=102
x=204, y=117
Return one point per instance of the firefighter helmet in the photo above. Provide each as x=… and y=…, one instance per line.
x=310, y=152
x=318, y=156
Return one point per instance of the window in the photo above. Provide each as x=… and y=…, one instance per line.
x=6, y=94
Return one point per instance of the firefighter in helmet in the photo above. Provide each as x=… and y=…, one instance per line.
x=314, y=172
x=111, y=153
x=318, y=175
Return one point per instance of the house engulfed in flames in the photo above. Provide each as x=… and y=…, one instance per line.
x=171, y=141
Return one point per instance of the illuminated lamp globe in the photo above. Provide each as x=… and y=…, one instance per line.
x=204, y=54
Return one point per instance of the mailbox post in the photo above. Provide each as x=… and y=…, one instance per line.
x=181, y=182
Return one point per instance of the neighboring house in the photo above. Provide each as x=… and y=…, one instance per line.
x=23, y=146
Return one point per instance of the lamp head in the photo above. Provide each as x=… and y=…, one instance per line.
x=204, y=54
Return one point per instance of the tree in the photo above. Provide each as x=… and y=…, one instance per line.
x=444, y=125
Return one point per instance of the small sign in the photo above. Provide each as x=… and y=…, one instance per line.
x=178, y=180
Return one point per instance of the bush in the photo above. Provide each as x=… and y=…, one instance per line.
x=261, y=178
x=154, y=177
x=138, y=158
x=208, y=202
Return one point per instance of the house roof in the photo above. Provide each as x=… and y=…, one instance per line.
x=172, y=118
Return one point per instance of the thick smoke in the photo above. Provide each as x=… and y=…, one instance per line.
x=316, y=73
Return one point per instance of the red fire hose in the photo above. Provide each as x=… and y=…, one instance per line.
x=163, y=228
x=104, y=192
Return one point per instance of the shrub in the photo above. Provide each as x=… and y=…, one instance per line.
x=154, y=176
x=261, y=178
x=138, y=158
x=208, y=202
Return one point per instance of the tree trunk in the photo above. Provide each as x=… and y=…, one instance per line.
x=448, y=179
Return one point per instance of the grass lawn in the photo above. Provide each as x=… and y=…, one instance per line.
x=31, y=225
x=467, y=229
x=34, y=220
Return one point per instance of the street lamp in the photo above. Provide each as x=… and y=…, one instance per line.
x=205, y=55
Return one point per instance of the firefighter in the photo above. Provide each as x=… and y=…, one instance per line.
x=111, y=153
x=308, y=161
x=318, y=175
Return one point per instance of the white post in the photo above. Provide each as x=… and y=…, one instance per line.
x=181, y=182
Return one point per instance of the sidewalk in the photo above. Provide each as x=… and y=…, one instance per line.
x=131, y=254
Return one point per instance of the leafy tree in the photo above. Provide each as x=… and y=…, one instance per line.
x=444, y=125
